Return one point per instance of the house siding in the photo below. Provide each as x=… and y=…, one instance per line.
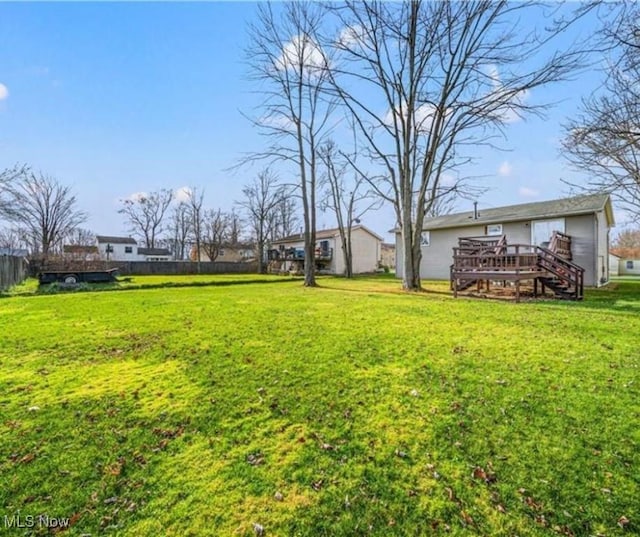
x=614, y=265
x=624, y=271
x=366, y=252
x=589, y=236
x=438, y=256
x=603, y=248
x=365, y=248
x=583, y=232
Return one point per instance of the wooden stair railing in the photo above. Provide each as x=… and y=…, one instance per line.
x=569, y=277
x=483, y=258
x=560, y=244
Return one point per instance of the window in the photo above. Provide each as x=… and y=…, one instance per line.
x=541, y=230
x=425, y=238
x=630, y=264
x=221, y=252
x=128, y=249
x=494, y=229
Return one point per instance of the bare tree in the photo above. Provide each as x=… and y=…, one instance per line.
x=604, y=140
x=286, y=219
x=145, y=214
x=447, y=75
x=349, y=196
x=9, y=177
x=235, y=227
x=45, y=210
x=627, y=243
x=12, y=240
x=180, y=228
x=216, y=231
x=80, y=237
x=194, y=202
x=261, y=201
x=286, y=58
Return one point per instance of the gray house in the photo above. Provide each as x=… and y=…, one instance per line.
x=585, y=219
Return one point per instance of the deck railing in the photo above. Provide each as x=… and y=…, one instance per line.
x=560, y=244
x=297, y=254
x=478, y=258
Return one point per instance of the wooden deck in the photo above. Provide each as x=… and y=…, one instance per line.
x=480, y=261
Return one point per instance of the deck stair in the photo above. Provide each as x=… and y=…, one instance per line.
x=482, y=260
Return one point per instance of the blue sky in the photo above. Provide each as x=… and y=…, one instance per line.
x=118, y=98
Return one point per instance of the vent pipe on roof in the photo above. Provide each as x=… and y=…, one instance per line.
x=475, y=210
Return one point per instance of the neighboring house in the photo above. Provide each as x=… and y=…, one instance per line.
x=80, y=252
x=628, y=261
x=154, y=254
x=288, y=253
x=234, y=253
x=117, y=248
x=629, y=267
x=126, y=249
x=614, y=264
x=388, y=255
x=586, y=219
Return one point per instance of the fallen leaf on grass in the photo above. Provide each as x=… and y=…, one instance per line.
x=255, y=459
x=28, y=458
x=169, y=433
x=530, y=502
x=487, y=477
x=623, y=521
x=466, y=517
x=115, y=468
x=317, y=485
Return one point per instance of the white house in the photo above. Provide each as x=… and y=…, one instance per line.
x=288, y=253
x=117, y=248
x=628, y=261
x=126, y=249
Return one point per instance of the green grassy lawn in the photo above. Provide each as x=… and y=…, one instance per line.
x=351, y=409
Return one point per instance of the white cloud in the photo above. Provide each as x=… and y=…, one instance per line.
x=137, y=196
x=352, y=35
x=509, y=112
x=301, y=49
x=527, y=192
x=447, y=180
x=182, y=194
x=424, y=116
x=505, y=169
x=280, y=122
x=4, y=92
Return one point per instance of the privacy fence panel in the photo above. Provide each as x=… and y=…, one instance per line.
x=12, y=271
x=139, y=268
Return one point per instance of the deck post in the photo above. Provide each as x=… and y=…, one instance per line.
x=517, y=273
x=535, y=287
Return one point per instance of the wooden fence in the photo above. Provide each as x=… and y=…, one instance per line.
x=12, y=271
x=139, y=268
